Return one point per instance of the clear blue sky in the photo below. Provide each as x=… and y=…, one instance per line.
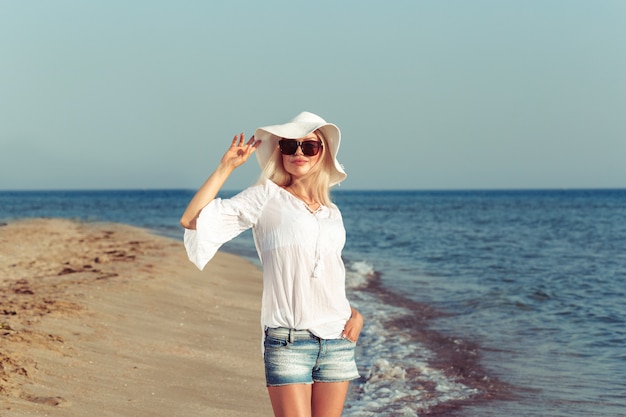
x=428, y=94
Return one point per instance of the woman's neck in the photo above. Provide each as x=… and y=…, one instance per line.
x=303, y=192
x=301, y=188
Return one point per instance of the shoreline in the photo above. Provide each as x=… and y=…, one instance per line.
x=435, y=373
x=112, y=320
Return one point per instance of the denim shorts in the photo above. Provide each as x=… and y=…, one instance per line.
x=299, y=357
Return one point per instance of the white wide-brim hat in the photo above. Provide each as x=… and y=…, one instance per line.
x=296, y=128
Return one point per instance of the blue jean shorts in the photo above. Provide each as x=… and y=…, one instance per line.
x=299, y=357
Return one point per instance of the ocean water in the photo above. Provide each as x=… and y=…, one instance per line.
x=477, y=303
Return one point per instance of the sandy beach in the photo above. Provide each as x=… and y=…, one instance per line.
x=110, y=320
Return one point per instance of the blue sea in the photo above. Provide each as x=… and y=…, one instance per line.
x=477, y=303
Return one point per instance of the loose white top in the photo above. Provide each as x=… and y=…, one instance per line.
x=303, y=273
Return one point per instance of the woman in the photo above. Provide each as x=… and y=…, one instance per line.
x=310, y=329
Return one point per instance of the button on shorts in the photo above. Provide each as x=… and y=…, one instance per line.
x=299, y=357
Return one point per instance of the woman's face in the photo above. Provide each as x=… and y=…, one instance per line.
x=298, y=165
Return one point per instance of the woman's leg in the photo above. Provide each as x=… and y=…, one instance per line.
x=291, y=400
x=328, y=398
x=322, y=399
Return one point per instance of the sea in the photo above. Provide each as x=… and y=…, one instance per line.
x=476, y=303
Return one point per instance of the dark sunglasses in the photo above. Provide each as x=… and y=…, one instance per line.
x=290, y=146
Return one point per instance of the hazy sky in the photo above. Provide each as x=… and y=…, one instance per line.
x=428, y=94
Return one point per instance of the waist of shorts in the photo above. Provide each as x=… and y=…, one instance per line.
x=289, y=334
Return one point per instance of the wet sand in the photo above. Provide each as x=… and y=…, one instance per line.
x=110, y=320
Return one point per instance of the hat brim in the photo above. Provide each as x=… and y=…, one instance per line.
x=270, y=135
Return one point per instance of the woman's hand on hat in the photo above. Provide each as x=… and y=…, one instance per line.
x=239, y=151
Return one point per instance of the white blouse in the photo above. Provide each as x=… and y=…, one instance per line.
x=303, y=273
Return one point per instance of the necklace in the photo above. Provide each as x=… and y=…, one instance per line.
x=312, y=207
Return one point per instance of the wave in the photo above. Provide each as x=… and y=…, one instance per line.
x=403, y=366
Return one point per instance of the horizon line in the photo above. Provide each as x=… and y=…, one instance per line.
x=334, y=189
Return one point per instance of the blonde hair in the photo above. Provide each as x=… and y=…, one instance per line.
x=319, y=176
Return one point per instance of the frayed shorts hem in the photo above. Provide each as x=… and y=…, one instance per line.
x=311, y=383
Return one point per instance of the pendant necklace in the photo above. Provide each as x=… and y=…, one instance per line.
x=307, y=205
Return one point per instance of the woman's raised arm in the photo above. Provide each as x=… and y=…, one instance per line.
x=236, y=155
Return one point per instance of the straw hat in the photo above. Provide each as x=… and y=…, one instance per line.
x=298, y=127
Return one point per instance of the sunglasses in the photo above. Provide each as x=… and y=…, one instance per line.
x=290, y=146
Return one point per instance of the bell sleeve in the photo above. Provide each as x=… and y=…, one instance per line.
x=222, y=220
